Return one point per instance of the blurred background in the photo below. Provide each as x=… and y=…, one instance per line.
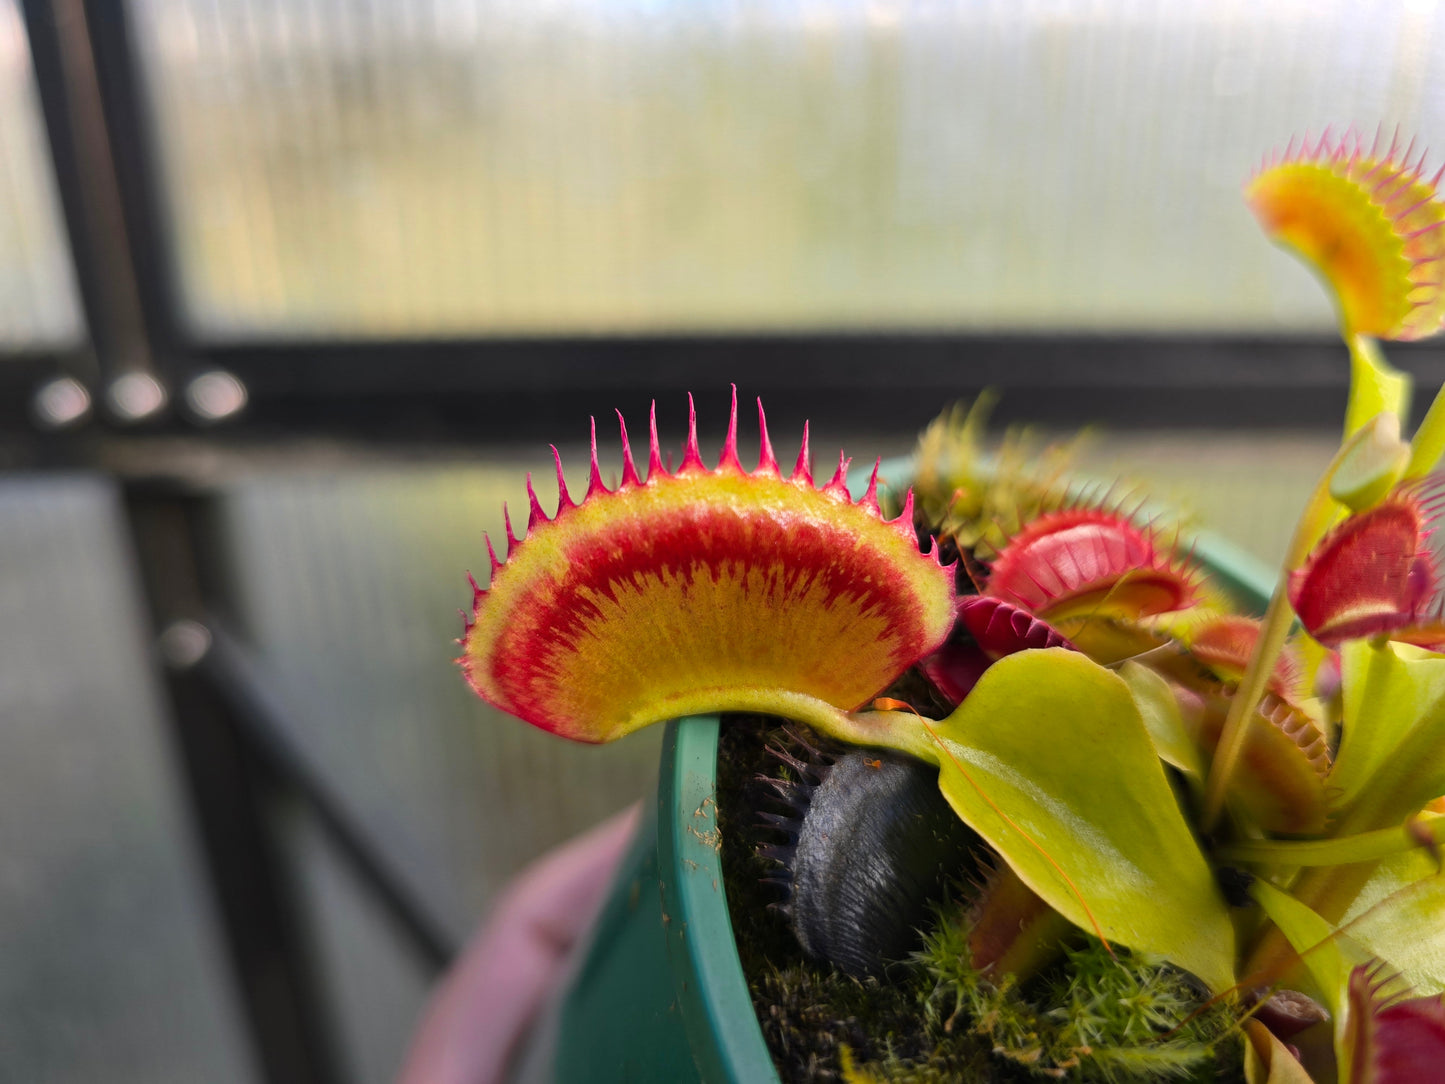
x=292, y=292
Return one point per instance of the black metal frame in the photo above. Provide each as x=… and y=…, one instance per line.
x=237, y=763
x=242, y=772
x=476, y=392
x=234, y=789
x=499, y=389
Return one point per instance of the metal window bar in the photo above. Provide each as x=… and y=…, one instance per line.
x=241, y=770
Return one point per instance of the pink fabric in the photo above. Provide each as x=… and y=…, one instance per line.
x=485, y=1004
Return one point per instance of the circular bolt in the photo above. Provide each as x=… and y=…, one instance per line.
x=184, y=643
x=61, y=403
x=136, y=397
x=215, y=396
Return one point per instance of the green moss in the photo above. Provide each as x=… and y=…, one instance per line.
x=1094, y=1017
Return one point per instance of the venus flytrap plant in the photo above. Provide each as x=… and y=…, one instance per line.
x=1121, y=740
x=720, y=590
x=1371, y=225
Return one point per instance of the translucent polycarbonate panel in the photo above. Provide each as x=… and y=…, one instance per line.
x=374, y=991
x=111, y=967
x=468, y=167
x=1247, y=486
x=350, y=583
x=38, y=306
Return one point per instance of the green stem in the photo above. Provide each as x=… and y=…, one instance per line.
x=1277, y=620
x=1326, y=890
x=1429, y=443
x=902, y=731
x=1364, y=847
x=1375, y=386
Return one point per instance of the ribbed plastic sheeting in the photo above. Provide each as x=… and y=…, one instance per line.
x=38, y=305
x=373, y=987
x=110, y=967
x=1245, y=487
x=472, y=167
x=350, y=584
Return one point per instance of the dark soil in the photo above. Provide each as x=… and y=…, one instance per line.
x=808, y=1010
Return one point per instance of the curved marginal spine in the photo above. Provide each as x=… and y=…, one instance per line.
x=803, y=471
x=767, y=460
x=692, y=455
x=654, y=448
x=629, y=468
x=594, y=473
x=728, y=459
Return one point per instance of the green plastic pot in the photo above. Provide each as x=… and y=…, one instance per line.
x=658, y=993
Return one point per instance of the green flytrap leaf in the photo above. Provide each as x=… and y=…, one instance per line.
x=1159, y=710
x=1392, y=754
x=1397, y=917
x=1049, y=760
x=1327, y=956
x=1268, y=1061
x=1428, y=444
x=1395, y=923
x=1425, y=833
x=1370, y=464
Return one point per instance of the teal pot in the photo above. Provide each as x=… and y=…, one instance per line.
x=658, y=993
